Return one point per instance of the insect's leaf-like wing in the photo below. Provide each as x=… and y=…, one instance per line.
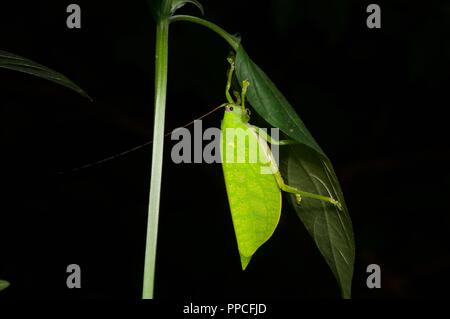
x=270, y=103
x=254, y=198
x=20, y=64
x=330, y=228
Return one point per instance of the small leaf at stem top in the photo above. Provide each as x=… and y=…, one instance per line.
x=176, y=4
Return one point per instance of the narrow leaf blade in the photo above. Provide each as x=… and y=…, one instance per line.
x=3, y=284
x=330, y=228
x=20, y=64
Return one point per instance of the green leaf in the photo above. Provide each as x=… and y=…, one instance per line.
x=20, y=64
x=176, y=4
x=330, y=228
x=3, y=284
x=309, y=169
x=268, y=101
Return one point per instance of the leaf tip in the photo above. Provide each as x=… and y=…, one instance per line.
x=4, y=284
x=245, y=261
x=87, y=96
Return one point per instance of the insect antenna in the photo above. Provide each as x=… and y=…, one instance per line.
x=109, y=158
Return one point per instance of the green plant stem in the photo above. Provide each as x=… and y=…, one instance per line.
x=162, y=45
x=232, y=40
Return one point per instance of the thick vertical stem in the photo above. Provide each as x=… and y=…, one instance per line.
x=162, y=43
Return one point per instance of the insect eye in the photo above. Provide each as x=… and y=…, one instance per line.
x=230, y=108
x=248, y=112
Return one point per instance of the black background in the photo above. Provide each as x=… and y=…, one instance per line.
x=374, y=99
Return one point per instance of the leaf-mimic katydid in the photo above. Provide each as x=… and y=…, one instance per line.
x=254, y=197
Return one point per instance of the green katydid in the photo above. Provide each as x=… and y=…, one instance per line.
x=254, y=197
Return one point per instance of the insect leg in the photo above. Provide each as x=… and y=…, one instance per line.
x=230, y=77
x=245, y=85
x=237, y=96
x=299, y=194
x=275, y=171
x=269, y=139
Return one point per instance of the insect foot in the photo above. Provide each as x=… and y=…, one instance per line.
x=337, y=204
x=298, y=199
